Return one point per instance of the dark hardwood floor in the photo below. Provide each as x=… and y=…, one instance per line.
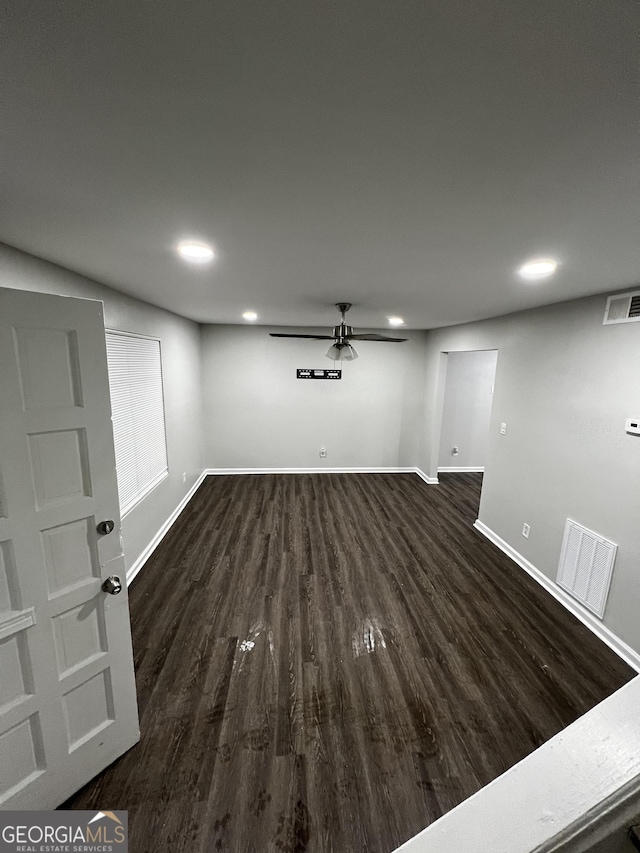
x=330, y=662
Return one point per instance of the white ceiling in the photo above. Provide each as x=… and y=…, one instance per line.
x=404, y=155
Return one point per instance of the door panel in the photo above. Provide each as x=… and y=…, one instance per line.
x=67, y=695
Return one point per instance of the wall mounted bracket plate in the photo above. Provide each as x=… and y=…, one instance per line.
x=309, y=373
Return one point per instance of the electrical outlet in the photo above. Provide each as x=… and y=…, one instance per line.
x=454, y=451
x=525, y=530
x=323, y=453
x=184, y=476
x=503, y=429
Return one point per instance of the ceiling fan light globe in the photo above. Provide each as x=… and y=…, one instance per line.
x=349, y=353
x=333, y=353
x=342, y=352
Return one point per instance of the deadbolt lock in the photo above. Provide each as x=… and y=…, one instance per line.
x=112, y=585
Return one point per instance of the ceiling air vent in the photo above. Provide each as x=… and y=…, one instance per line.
x=586, y=565
x=622, y=308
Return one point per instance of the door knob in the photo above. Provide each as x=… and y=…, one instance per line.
x=112, y=585
x=105, y=527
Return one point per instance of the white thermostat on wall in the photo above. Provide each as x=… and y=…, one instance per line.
x=633, y=426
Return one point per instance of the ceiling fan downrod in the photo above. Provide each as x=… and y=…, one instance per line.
x=342, y=332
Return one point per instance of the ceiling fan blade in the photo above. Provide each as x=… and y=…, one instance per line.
x=376, y=338
x=313, y=337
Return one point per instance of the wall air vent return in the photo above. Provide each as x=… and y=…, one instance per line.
x=622, y=308
x=586, y=564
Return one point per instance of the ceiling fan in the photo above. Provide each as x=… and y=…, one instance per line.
x=342, y=349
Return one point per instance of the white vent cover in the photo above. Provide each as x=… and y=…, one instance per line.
x=586, y=564
x=622, y=308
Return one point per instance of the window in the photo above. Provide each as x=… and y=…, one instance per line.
x=137, y=407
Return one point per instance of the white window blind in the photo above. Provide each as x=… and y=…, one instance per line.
x=137, y=407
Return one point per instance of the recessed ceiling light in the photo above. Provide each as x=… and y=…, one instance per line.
x=194, y=252
x=538, y=268
x=395, y=321
x=250, y=316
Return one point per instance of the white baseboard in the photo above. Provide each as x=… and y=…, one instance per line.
x=157, y=539
x=433, y=481
x=222, y=471
x=464, y=469
x=593, y=623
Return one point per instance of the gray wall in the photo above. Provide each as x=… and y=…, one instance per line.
x=180, y=343
x=258, y=415
x=467, y=408
x=564, y=386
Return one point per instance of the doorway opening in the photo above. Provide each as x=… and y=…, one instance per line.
x=468, y=382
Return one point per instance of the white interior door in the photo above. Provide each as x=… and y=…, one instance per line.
x=67, y=692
